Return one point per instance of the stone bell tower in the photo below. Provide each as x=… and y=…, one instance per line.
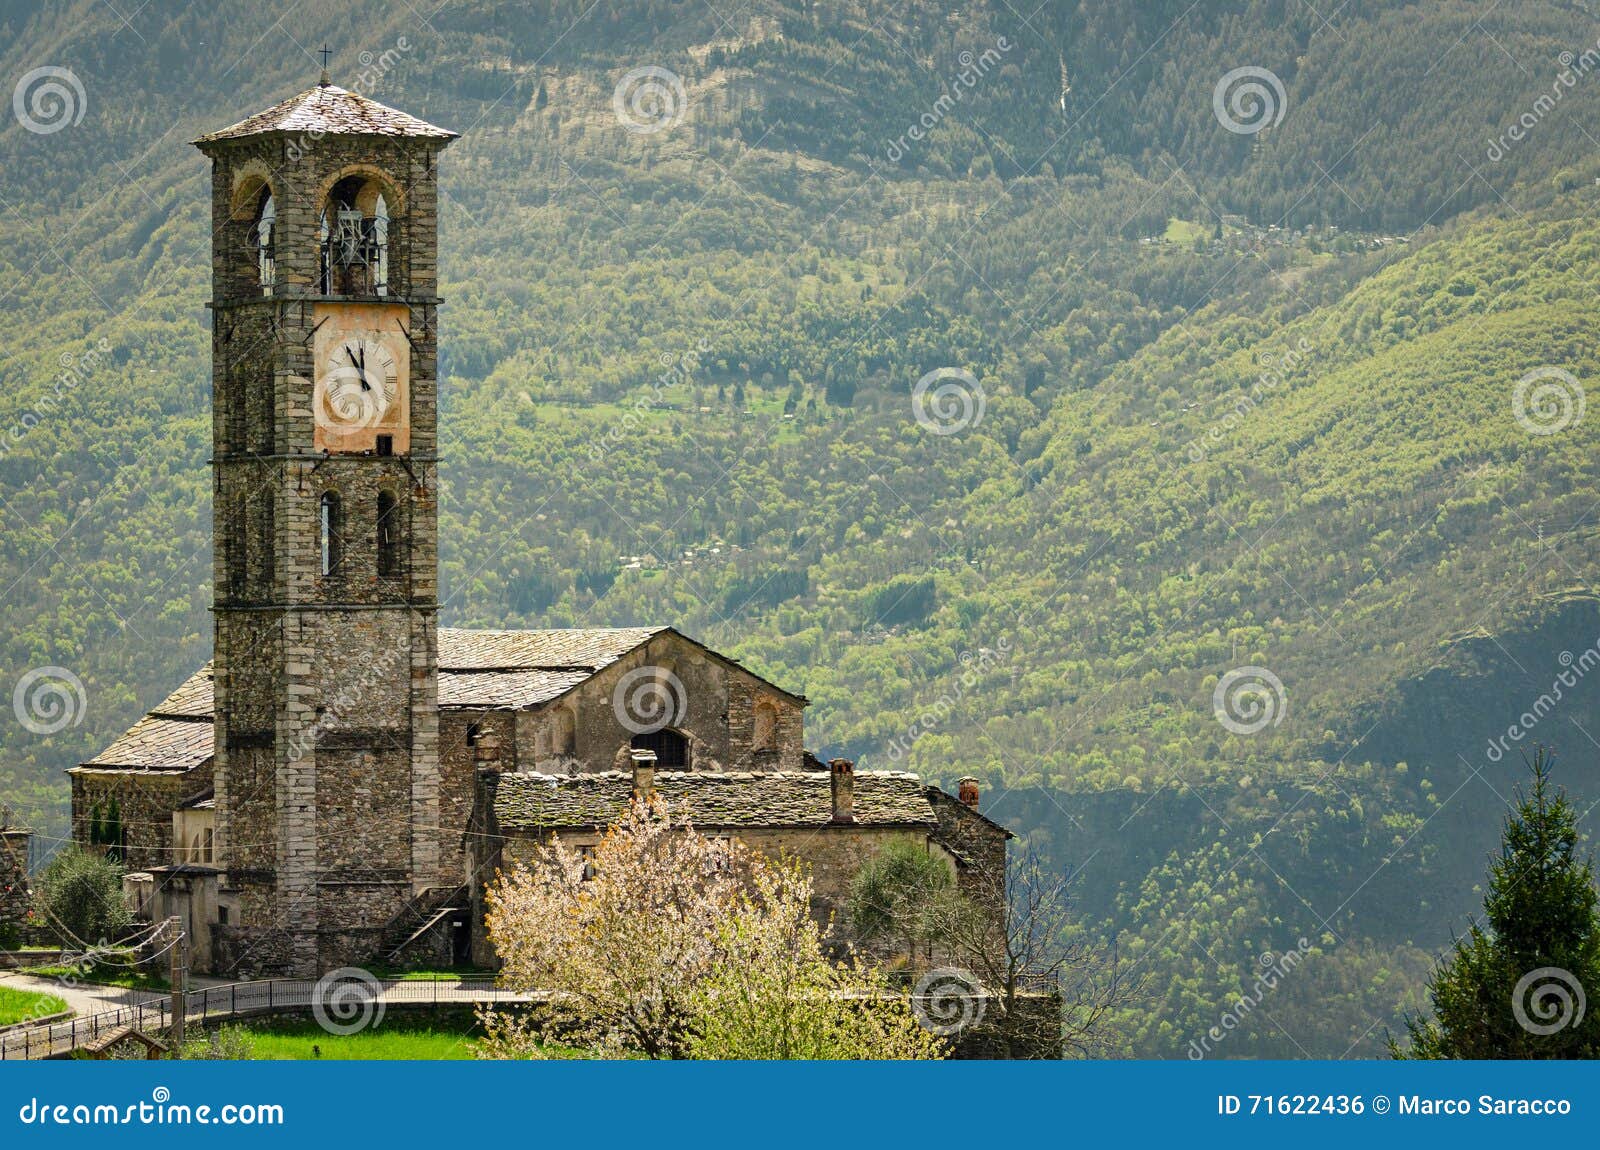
x=324, y=359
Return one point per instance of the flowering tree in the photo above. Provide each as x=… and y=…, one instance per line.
x=773, y=994
x=616, y=938
x=667, y=944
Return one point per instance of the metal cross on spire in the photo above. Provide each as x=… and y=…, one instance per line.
x=325, y=52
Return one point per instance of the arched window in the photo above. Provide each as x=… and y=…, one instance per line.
x=194, y=849
x=261, y=235
x=330, y=528
x=207, y=845
x=354, y=235
x=563, y=732
x=671, y=748
x=766, y=726
x=388, y=535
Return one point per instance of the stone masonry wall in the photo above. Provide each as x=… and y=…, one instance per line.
x=458, y=777
x=979, y=840
x=15, y=897
x=326, y=685
x=714, y=705
x=145, y=802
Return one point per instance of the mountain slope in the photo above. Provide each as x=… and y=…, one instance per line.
x=1226, y=421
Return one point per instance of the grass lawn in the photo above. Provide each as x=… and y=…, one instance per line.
x=396, y=1039
x=289, y=1041
x=389, y=973
x=1184, y=232
x=107, y=974
x=17, y=1005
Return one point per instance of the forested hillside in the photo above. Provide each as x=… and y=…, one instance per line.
x=1248, y=399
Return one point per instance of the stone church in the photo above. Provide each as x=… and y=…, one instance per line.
x=338, y=784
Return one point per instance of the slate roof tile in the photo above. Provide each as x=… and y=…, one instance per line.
x=505, y=690
x=489, y=670
x=330, y=109
x=534, y=802
x=156, y=744
x=578, y=648
x=193, y=700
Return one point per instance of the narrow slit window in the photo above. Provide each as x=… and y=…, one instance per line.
x=388, y=535
x=330, y=528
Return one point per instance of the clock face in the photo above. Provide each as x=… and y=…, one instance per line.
x=359, y=385
x=361, y=392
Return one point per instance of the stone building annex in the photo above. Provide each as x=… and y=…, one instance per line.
x=335, y=787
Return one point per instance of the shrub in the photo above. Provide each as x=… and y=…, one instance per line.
x=79, y=897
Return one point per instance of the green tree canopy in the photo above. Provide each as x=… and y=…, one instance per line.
x=1515, y=986
x=900, y=894
x=80, y=898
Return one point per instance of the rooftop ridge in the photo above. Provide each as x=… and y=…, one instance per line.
x=479, y=670
x=820, y=777
x=332, y=110
x=750, y=799
x=654, y=628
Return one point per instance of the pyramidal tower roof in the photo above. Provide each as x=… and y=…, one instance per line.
x=331, y=110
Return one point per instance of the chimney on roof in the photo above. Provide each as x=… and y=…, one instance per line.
x=644, y=773
x=967, y=792
x=843, y=774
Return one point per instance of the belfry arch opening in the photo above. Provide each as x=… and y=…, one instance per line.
x=254, y=231
x=353, y=235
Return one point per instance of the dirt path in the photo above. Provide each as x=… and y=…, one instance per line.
x=84, y=998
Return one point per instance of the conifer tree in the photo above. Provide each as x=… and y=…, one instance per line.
x=1518, y=985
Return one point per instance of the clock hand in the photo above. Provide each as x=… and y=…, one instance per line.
x=359, y=362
